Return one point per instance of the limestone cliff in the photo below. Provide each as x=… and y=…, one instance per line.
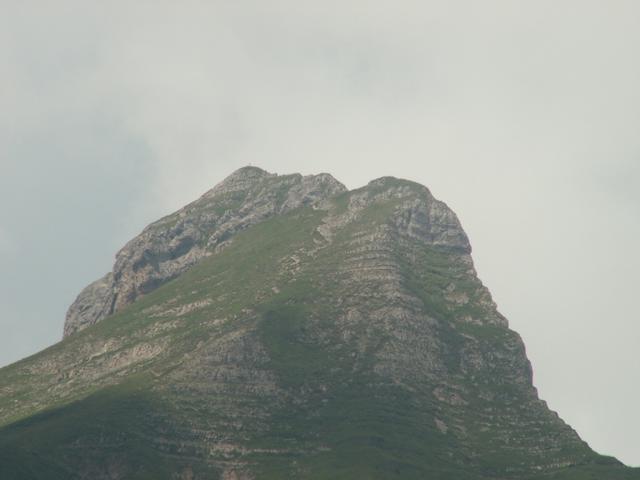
x=170, y=246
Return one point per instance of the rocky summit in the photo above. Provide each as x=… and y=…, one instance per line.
x=283, y=327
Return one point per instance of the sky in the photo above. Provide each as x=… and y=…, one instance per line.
x=523, y=116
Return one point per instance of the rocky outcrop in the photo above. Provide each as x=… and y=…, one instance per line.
x=94, y=303
x=170, y=246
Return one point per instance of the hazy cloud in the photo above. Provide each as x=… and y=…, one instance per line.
x=6, y=243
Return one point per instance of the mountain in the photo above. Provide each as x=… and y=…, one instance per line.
x=282, y=327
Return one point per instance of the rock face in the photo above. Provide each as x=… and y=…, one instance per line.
x=170, y=246
x=308, y=332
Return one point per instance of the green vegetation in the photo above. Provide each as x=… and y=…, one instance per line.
x=117, y=429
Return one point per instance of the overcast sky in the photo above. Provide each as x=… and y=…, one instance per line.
x=523, y=116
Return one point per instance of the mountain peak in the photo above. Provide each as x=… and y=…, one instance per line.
x=250, y=170
x=240, y=179
x=172, y=245
x=395, y=182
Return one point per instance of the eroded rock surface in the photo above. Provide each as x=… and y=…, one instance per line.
x=170, y=246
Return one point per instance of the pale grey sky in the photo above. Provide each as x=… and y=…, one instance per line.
x=522, y=115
